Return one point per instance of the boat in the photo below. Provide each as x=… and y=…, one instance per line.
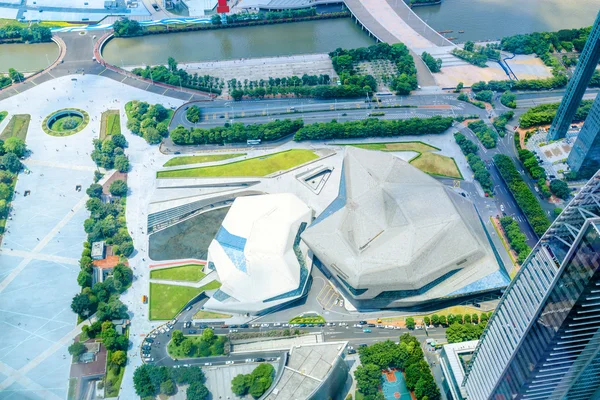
x=451, y=38
x=442, y=32
x=461, y=31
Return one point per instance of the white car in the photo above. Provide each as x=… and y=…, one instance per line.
x=207, y=364
x=502, y=207
x=389, y=327
x=255, y=325
x=397, y=327
x=358, y=326
x=233, y=331
x=249, y=360
x=148, y=359
x=277, y=324
x=229, y=362
x=264, y=325
x=342, y=324
x=285, y=325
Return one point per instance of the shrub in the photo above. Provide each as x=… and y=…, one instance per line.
x=508, y=99
x=118, y=188
x=560, y=189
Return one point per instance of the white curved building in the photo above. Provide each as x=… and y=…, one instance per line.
x=258, y=255
x=396, y=237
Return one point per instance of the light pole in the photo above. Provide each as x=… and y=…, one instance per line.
x=180, y=87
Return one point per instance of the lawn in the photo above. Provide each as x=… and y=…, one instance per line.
x=200, y=348
x=113, y=391
x=314, y=319
x=3, y=115
x=50, y=24
x=110, y=124
x=184, y=160
x=167, y=300
x=210, y=315
x=259, y=166
x=426, y=160
x=57, y=125
x=17, y=126
x=189, y=273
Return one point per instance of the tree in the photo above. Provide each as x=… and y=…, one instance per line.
x=172, y=64
x=193, y=114
x=427, y=321
x=469, y=45
x=426, y=387
x=11, y=162
x=410, y=323
x=560, y=189
x=368, y=378
x=240, y=385
x=143, y=382
x=82, y=305
x=84, y=279
x=95, y=190
x=118, y=188
x=168, y=387
x=197, y=391
x=216, y=19
x=5, y=191
x=435, y=319
x=77, y=349
x=237, y=94
x=443, y=320
x=177, y=337
x=15, y=145
x=119, y=358
x=15, y=75
x=122, y=163
x=459, y=87
x=208, y=335
x=475, y=318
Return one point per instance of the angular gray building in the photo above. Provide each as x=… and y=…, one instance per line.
x=543, y=341
x=397, y=238
x=584, y=157
x=588, y=60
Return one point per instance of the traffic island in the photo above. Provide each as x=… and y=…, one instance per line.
x=65, y=122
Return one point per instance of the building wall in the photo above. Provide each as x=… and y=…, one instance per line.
x=585, y=155
x=332, y=385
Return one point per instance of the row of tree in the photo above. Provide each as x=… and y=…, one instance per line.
x=14, y=76
x=174, y=76
x=402, y=83
x=484, y=133
x=554, y=82
x=150, y=381
x=434, y=64
x=541, y=43
x=543, y=114
x=508, y=99
x=34, y=33
x=457, y=318
x=456, y=333
x=481, y=173
x=526, y=200
x=516, y=238
x=464, y=97
x=148, y=121
x=11, y=151
x=407, y=356
x=237, y=132
x=373, y=127
x=208, y=345
x=255, y=383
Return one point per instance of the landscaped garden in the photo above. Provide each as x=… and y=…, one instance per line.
x=65, y=122
x=148, y=121
x=167, y=300
x=3, y=115
x=255, y=383
x=259, y=166
x=185, y=160
x=308, y=319
x=426, y=160
x=210, y=315
x=17, y=126
x=110, y=124
x=189, y=273
x=205, y=345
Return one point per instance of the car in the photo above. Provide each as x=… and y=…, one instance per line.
x=337, y=301
x=389, y=327
x=285, y=325
x=229, y=362
x=153, y=336
x=320, y=325
x=188, y=308
x=342, y=324
x=259, y=359
x=397, y=327
x=371, y=325
x=277, y=324
x=362, y=345
x=146, y=347
x=366, y=330
x=249, y=360
x=463, y=195
x=244, y=326
x=330, y=324
x=145, y=355
x=233, y=331
x=381, y=326
x=224, y=326
x=191, y=332
x=207, y=364
x=264, y=325
x=177, y=152
x=255, y=325
x=203, y=326
x=358, y=326
x=351, y=351
x=419, y=327
x=148, y=359
x=502, y=207
x=149, y=340
x=233, y=326
x=221, y=116
x=342, y=303
x=302, y=325
x=362, y=322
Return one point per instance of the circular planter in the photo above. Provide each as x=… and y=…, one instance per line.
x=51, y=124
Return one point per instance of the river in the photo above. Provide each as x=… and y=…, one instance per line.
x=493, y=19
x=27, y=57
x=306, y=37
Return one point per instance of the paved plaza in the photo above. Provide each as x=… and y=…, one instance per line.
x=44, y=239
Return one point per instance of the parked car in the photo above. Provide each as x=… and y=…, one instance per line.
x=146, y=347
x=302, y=325
x=229, y=362
x=148, y=359
x=191, y=332
x=362, y=322
x=244, y=326
x=259, y=359
x=207, y=364
x=351, y=351
x=249, y=360
x=366, y=330
x=371, y=325
x=189, y=308
x=149, y=340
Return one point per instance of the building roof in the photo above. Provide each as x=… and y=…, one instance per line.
x=452, y=353
x=390, y=216
x=97, y=249
x=253, y=251
x=307, y=367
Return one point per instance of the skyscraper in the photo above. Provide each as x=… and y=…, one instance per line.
x=585, y=154
x=543, y=341
x=588, y=60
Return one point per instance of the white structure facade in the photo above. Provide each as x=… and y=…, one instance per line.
x=258, y=255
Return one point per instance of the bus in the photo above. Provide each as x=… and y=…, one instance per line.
x=252, y=141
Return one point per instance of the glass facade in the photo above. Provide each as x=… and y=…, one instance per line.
x=544, y=338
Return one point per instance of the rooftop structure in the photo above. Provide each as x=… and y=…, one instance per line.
x=98, y=250
x=396, y=237
x=258, y=256
x=543, y=340
x=453, y=358
x=315, y=371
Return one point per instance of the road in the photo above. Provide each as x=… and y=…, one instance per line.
x=355, y=337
